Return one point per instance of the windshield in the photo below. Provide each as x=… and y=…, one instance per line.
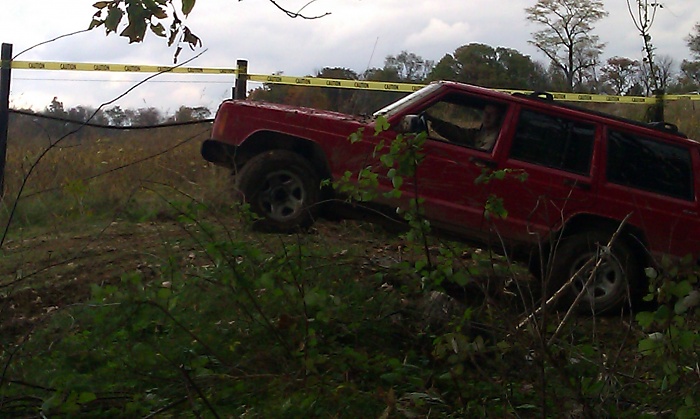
x=402, y=103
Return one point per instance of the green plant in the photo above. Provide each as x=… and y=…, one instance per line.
x=672, y=339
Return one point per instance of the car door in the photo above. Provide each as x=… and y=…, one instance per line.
x=451, y=162
x=653, y=180
x=549, y=159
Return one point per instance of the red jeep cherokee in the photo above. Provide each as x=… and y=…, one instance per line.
x=586, y=172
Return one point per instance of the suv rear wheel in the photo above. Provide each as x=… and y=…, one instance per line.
x=282, y=188
x=617, y=278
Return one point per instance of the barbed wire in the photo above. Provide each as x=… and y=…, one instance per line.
x=113, y=127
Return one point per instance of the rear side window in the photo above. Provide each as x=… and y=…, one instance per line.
x=650, y=165
x=554, y=142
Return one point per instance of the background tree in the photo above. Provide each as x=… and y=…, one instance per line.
x=619, y=75
x=690, y=69
x=188, y=114
x=147, y=117
x=56, y=109
x=567, y=38
x=446, y=69
x=520, y=71
x=643, y=14
x=409, y=67
x=484, y=65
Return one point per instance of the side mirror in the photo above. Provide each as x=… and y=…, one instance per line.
x=411, y=123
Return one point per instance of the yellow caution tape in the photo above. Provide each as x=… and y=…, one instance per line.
x=682, y=97
x=593, y=98
x=404, y=87
x=337, y=83
x=128, y=68
x=318, y=82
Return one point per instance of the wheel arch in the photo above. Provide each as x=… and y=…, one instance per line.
x=262, y=141
x=632, y=234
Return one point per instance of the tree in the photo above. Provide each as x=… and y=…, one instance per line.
x=409, y=67
x=643, y=16
x=446, y=69
x=188, y=114
x=693, y=41
x=690, y=69
x=483, y=65
x=117, y=116
x=478, y=64
x=690, y=75
x=620, y=75
x=56, y=109
x=144, y=15
x=147, y=117
x=567, y=38
x=519, y=71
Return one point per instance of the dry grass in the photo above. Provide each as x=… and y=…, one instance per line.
x=106, y=173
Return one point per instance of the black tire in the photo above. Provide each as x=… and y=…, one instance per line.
x=618, y=278
x=282, y=188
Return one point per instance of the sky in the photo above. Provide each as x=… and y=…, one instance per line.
x=357, y=34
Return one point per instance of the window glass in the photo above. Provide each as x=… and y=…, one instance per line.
x=554, y=142
x=650, y=165
x=465, y=120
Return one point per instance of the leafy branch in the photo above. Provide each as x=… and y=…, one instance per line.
x=153, y=15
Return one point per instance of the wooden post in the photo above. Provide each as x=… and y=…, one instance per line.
x=5, y=74
x=658, y=115
x=240, y=91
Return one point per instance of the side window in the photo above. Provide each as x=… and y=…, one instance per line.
x=464, y=120
x=554, y=142
x=650, y=165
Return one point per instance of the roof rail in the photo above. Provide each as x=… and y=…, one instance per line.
x=539, y=94
x=666, y=127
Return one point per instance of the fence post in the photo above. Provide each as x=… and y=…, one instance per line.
x=240, y=91
x=5, y=74
x=658, y=115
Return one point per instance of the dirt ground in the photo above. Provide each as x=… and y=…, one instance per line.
x=43, y=271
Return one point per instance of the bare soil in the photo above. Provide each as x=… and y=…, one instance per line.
x=44, y=271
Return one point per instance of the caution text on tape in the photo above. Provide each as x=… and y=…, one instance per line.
x=124, y=68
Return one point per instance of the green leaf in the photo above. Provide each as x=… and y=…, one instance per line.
x=101, y=4
x=649, y=346
x=114, y=17
x=187, y=6
x=164, y=293
x=645, y=319
x=86, y=397
x=158, y=29
x=381, y=125
x=95, y=23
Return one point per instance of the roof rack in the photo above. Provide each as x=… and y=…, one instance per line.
x=539, y=94
x=666, y=127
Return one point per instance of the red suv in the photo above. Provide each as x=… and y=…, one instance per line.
x=586, y=173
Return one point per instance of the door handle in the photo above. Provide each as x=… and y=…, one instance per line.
x=577, y=184
x=483, y=163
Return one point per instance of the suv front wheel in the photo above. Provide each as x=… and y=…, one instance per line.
x=282, y=188
x=604, y=289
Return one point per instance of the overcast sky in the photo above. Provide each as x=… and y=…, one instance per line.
x=358, y=34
